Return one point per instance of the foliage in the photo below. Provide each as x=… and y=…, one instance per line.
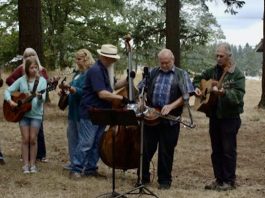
x=202, y=57
x=71, y=25
x=8, y=31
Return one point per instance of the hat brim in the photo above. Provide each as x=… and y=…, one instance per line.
x=108, y=55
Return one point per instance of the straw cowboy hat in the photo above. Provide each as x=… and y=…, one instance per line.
x=109, y=50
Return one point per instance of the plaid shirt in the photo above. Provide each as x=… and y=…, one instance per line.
x=162, y=87
x=161, y=94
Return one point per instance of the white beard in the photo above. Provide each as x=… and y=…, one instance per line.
x=111, y=75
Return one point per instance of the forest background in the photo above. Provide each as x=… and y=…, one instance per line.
x=70, y=25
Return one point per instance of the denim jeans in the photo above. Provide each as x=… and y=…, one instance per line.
x=86, y=155
x=72, y=136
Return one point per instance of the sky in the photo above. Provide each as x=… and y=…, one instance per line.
x=244, y=27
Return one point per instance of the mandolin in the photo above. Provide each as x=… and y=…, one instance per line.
x=152, y=116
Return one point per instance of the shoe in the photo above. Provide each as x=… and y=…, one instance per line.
x=25, y=169
x=43, y=160
x=67, y=167
x=75, y=175
x=164, y=186
x=33, y=169
x=213, y=186
x=2, y=161
x=95, y=174
x=226, y=186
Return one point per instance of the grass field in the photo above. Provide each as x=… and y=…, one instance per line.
x=192, y=166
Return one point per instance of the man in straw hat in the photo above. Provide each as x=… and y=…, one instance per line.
x=97, y=93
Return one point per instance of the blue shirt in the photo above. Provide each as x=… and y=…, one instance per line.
x=96, y=80
x=74, y=99
x=24, y=86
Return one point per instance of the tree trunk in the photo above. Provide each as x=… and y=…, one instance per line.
x=30, y=30
x=262, y=100
x=172, y=28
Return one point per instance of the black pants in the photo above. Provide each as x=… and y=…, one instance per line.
x=165, y=137
x=41, y=152
x=224, y=143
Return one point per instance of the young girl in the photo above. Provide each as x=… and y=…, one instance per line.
x=31, y=122
x=17, y=73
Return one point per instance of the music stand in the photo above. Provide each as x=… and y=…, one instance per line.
x=113, y=117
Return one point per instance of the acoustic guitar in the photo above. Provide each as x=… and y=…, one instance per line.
x=15, y=114
x=207, y=99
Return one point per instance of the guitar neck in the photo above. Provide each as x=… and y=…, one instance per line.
x=168, y=117
x=28, y=99
x=220, y=82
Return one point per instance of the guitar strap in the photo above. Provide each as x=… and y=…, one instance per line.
x=35, y=85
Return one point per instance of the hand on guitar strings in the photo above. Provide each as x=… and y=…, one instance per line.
x=219, y=92
x=166, y=109
x=12, y=103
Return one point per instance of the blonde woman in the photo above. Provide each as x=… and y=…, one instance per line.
x=83, y=60
x=31, y=122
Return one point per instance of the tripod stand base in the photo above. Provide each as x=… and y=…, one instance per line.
x=142, y=191
x=112, y=195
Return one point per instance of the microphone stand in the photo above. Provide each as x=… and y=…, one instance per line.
x=140, y=186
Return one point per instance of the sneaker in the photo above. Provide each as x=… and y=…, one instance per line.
x=43, y=160
x=67, y=166
x=75, y=175
x=164, y=186
x=25, y=169
x=226, y=186
x=33, y=169
x=213, y=186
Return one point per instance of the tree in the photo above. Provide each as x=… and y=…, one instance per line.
x=30, y=29
x=262, y=100
x=172, y=28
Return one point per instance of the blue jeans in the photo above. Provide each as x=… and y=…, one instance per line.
x=72, y=136
x=86, y=155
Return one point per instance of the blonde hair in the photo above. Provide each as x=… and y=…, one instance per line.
x=28, y=62
x=89, y=60
x=31, y=52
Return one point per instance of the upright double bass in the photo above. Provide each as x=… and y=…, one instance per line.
x=127, y=138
